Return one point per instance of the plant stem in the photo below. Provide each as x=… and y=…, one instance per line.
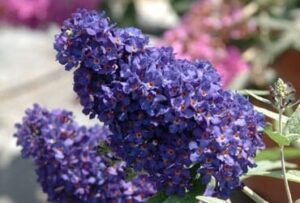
x=250, y=193
x=286, y=184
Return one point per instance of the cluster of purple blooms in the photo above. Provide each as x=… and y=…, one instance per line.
x=165, y=114
x=70, y=167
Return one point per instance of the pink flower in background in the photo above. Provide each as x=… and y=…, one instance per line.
x=205, y=32
x=38, y=13
x=232, y=65
x=61, y=9
x=28, y=9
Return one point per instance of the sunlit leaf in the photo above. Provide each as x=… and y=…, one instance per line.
x=255, y=92
x=274, y=154
x=210, y=199
x=271, y=114
x=259, y=98
x=265, y=166
x=293, y=137
x=292, y=127
x=280, y=139
x=292, y=175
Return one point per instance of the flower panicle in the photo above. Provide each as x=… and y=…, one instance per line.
x=164, y=114
x=68, y=165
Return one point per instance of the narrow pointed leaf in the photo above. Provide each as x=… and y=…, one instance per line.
x=265, y=166
x=271, y=114
x=292, y=175
x=259, y=98
x=274, y=154
x=281, y=140
x=255, y=92
x=210, y=199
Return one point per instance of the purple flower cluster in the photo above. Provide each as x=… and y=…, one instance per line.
x=164, y=114
x=69, y=166
x=229, y=143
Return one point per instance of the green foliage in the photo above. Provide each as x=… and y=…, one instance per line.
x=293, y=137
x=129, y=18
x=274, y=154
x=292, y=128
x=292, y=175
x=264, y=167
x=287, y=37
x=278, y=22
x=131, y=174
x=259, y=98
x=210, y=199
x=103, y=148
x=255, y=92
x=280, y=139
x=271, y=114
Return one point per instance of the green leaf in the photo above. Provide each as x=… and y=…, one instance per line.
x=210, y=199
x=281, y=140
x=292, y=127
x=293, y=137
x=271, y=114
x=270, y=165
x=263, y=167
x=274, y=154
x=158, y=198
x=255, y=92
x=259, y=98
x=292, y=175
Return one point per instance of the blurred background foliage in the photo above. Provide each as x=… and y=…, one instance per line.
x=277, y=31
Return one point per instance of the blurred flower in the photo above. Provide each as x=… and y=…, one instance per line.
x=283, y=94
x=204, y=33
x=164, y=113
x=38, y=13
x=69, y=166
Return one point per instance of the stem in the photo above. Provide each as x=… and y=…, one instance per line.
x=286, y=183
x=250, y=193
x=297, y=102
